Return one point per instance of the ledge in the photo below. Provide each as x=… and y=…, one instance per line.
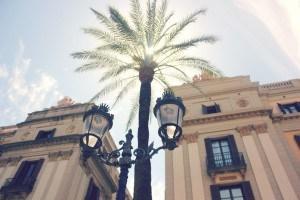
x=225, y=117
x=74, y=138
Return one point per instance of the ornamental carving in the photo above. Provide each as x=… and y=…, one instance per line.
x=190, y=138
x=70, y=129
x=260, y=128
x=245, y=130
x=60, y=155
x=12, y=161
x=242, y=103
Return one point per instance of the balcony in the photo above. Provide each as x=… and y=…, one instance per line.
x=221, y=163
x=15, y=187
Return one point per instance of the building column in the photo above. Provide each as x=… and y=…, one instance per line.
x=195, y=168
x=178, y=166
x=169, y=192
x=257, y=166
x=277, y=167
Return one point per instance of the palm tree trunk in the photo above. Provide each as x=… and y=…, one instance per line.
x=142, y=176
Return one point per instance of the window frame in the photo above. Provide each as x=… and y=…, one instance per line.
x=90, y=190
x=41, y=133
x=245, y=189
x=232, y=147
x=215, y=106
x=286, y=108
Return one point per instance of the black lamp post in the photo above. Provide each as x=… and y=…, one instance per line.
x=169, y=111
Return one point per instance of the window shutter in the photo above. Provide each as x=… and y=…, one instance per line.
x=234, y=150
x=20, y=172
x=218, y=109
x=204, y=109
x=297, y=139
x=37, y=168
x=89, y=190
x=215, y=194
x=209, y=153
x=247, y=191
x=297, y=105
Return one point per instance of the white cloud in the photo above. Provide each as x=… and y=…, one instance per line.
x=26, y=89
x=3, y=71
x=281, y=18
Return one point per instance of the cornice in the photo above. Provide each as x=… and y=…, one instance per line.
x=74, y=138
x=225, y=117
x=282, y=117
x=208, y=94
x=52, y=118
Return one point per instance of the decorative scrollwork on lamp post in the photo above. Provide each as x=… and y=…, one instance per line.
x=169, y=111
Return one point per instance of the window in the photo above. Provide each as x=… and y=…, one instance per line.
x=24, y=179
x=93, y=192
x=297, y=139
x=221, y=152
x=222, y=155
x=289, y=108
x=240, y=191
x=45, y=134
x=211, y=109
x=28, y=172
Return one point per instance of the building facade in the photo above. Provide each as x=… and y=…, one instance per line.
x=241, y=141
x=41, y=158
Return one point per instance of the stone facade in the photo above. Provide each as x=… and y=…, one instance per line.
x=266, y=152
x=63, y=175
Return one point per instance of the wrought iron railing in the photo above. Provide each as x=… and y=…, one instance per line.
x=225, y=162
x=14, y=185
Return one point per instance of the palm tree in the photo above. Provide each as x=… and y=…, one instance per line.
x=146, y=50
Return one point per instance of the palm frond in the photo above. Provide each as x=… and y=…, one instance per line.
x=124, y=90
x=122, y=24
x=136, y=15
x=112, y=86
x=116, y=71
x=133, y=111
x=103, y=19
x=188, y=20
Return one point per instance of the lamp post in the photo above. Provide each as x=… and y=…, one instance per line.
x=169, y=111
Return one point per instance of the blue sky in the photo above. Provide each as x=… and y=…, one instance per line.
x=260, y=38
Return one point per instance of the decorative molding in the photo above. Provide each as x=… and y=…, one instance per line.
x=60, y=155
x=12, y=161
x=70, y=129
x=283, y=117
x=225, y=117
x=190, y=138
x=244, y=130
x=242, y=103
x=66, y=139
x=260, y=128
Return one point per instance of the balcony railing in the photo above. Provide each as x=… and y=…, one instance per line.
x=14, y=186
x=220, y=163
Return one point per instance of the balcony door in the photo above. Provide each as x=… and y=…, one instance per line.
x=221, y=153
x=27, y=172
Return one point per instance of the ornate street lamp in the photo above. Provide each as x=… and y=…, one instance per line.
x=169, y=111
x=97, y=122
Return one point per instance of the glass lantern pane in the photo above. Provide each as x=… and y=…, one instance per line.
x=98, y=125
x=90, y=140
x=168, y=113
x=170, y=131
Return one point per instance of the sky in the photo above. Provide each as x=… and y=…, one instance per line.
x=260, y=38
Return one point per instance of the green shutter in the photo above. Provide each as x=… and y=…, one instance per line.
x=234, y=151
x=215, y=194
x=209, y=153
x=247, y=191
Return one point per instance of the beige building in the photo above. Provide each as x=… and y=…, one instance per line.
x=41, y=159
x=240, y=141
